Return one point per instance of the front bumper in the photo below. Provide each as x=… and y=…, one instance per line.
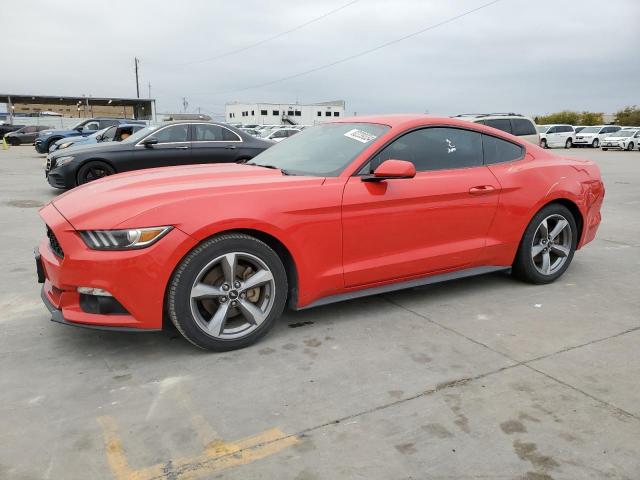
x=613, y=145
x=136, y=278
x=583, y=141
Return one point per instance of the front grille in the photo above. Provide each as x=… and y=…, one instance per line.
x=53, y=242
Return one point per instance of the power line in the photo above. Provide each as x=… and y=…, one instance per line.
x=357, y=55
x=268, y=39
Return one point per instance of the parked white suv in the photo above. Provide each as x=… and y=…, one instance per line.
x=556, y=136
x=593, y=136
x=625, y=139
x=512, y=123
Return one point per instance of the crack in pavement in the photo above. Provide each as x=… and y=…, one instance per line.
x=438, y=388
x=525, y=363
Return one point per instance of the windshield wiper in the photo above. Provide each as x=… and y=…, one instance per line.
x=273, y=167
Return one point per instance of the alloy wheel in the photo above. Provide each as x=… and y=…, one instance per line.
x=552, y=243
x=596, y=143
x=232, y=295
x=95, y=173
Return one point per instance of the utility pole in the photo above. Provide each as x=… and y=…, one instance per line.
x=185, y=104
x=149, y=89
x=135, y=62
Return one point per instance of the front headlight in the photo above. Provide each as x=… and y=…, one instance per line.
x=47, y=133
x=129, y=239
x=62, y=160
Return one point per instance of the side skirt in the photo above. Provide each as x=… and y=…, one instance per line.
x=417, y=282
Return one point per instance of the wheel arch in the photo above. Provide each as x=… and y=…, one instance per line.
x=275, y=243
x=573, y=208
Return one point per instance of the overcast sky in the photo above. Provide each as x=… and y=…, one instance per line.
x=528, y=56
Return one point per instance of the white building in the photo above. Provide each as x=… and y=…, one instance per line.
x=283, y=113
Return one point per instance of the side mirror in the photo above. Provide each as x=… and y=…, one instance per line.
x=99, y=138
x=391, y=169
x=150, y=141
x=80, y=129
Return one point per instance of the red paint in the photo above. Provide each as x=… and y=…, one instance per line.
x=343, y=234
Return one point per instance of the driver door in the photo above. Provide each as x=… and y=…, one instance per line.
x=173, y=148
x=433, y=222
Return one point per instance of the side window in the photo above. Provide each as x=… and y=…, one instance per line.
x=497, y=150
x=29, y=130
x=435, y=148
x=553, y=130
x=91, y=126
x=522, y=126
x=503, y=124
x=107, y=123
x=109, y=134
x=207, y=133
x=229, y=136
x=280, y=134
x=173, y=134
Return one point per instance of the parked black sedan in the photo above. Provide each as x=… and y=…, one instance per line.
x=173, y=143
x=24, y=135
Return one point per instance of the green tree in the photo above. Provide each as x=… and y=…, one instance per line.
x=566, y=116
x=628, y=116
x=590, y=118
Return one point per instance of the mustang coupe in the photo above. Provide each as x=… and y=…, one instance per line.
x=345, y=209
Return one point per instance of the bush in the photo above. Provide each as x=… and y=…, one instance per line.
x=571, y=118
x=628, y=116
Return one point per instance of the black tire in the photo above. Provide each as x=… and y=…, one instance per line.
x=604, y=149
x=50, y=142
x=179, y=301
x=630, y=146
x=543, y=143
x=14, y=142
x=568, y=143
x=93, y=170
x=596, y=143
x=524, y=267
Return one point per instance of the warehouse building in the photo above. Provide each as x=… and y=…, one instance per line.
x=77, y=107
x=283, y=113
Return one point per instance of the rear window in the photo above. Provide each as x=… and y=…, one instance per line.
x=522, y=126
x=503, y=124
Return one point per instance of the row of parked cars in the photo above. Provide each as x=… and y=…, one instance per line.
x=276, y=133
x=596, y=136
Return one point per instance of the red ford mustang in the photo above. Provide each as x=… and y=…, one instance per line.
x=341, y=210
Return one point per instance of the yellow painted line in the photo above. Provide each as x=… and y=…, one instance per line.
x=216, y=457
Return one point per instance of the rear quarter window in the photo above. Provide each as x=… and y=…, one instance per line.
x=496, y=150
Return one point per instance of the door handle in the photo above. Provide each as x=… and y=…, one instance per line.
x=481, y=189
x=230, y=147
x=182, y=147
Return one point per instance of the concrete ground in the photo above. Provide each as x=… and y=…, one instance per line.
x=481, y=378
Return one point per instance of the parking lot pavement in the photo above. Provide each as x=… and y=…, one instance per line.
x=480, y=378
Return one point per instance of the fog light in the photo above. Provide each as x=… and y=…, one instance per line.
x=94, y=291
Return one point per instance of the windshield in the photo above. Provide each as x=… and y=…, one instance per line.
x=543, y=128
x=591, y=130
x=321, y=151
x=143, y=132
x=622, y=133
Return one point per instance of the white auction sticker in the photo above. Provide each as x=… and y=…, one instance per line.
x=360, y=135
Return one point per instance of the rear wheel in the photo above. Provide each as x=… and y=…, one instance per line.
x=227, y=293
x=94, y=170
x=543, y=143
x=548, y=245
x=596, y=143
x=568, y=143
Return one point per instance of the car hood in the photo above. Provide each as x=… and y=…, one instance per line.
x=617, y=139
x=57, y=132
x=89, y=148
x=169, y=192
x=587, y=134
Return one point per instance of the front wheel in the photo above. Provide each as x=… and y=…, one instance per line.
x=547, y=246
x=543, y=143
x=227, y=293
x=630, y=146
x=568, y=143
x=596, y=143
x=604, y=149
x=94, y=170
